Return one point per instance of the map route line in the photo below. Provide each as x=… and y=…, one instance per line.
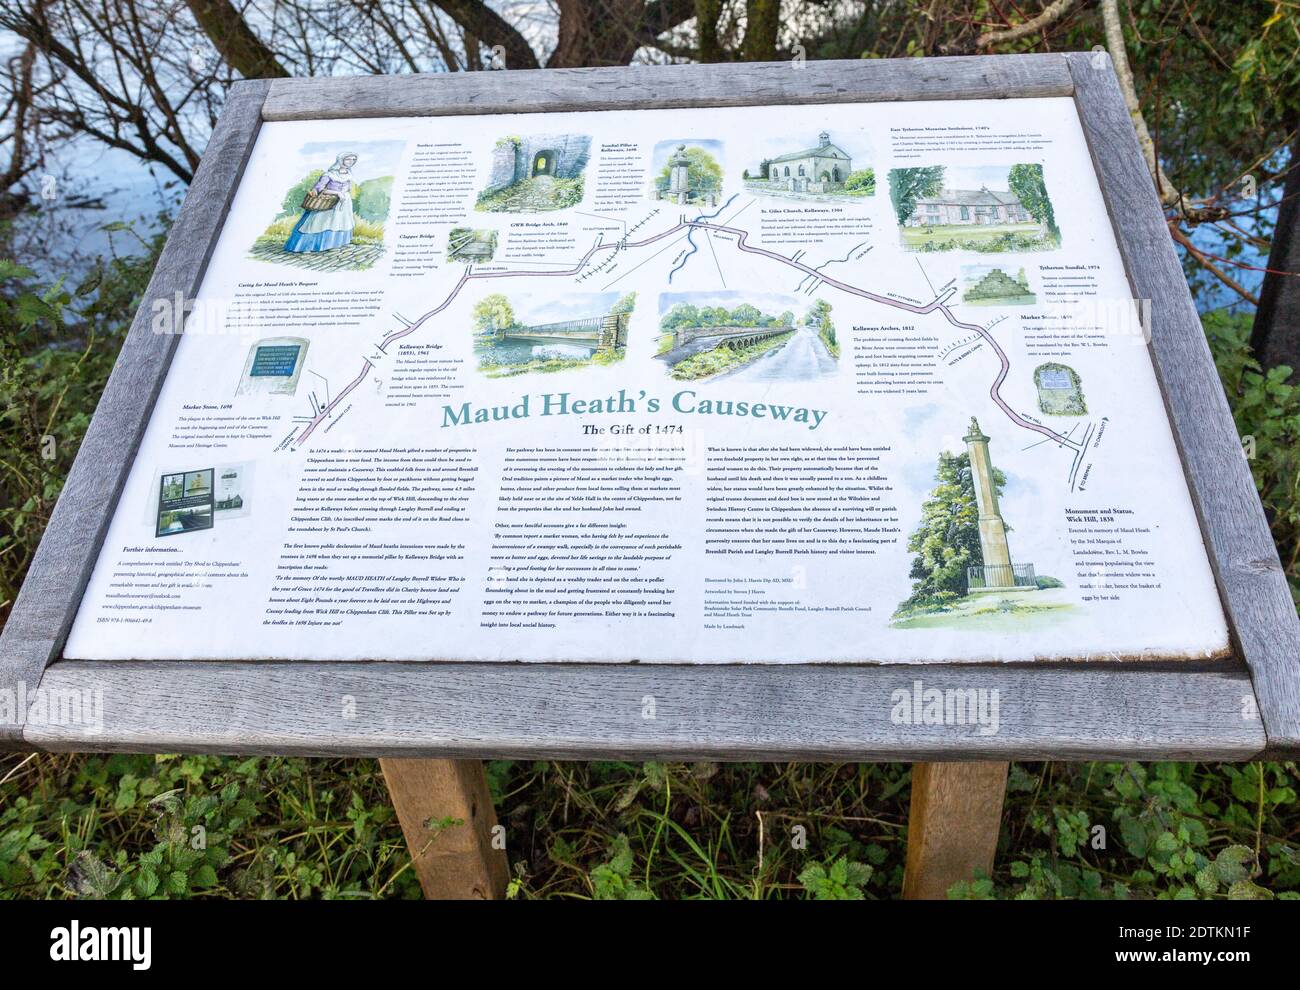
x=994, y=392
x=937, y=304
x=395, y=335
x=742, y=237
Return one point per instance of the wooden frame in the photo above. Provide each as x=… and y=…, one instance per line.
x=1235, y=710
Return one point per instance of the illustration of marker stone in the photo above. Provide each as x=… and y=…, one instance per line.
x=1060, y=391
x=997, y=573
x=273, y=366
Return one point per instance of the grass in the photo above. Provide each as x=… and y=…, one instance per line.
x=830, y=340
x=1027, y=299
x=364, y=231
x=128, y=826
x=360, y=254
x=561, y=194
x=952, y=237
x=914, y=236
x=1014, y=613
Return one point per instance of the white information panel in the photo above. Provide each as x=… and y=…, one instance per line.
x=766, y=384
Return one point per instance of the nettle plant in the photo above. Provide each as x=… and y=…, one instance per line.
x=1179, y=831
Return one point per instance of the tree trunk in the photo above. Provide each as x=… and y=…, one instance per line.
x=707, y=14
x=604, y=33
x=1276, y=336
x=234, y=40
x=762, y=22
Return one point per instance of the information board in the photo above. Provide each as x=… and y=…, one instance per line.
x=852, y=382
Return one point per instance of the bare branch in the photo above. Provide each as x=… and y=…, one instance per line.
x=1211, y=267
x=1170, y=195
x=1052, y=13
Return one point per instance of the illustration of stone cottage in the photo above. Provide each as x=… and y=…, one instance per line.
x=515, y=159
x=981, y=207
x=813, y=170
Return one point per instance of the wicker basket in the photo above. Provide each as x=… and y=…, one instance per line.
x=320, y=201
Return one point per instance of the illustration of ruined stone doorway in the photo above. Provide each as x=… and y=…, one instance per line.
x=544, y=163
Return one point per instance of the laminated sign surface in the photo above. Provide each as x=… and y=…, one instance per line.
x=861, y=382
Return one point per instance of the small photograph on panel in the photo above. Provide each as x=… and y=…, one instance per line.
x=185, y=502
x=749, y=337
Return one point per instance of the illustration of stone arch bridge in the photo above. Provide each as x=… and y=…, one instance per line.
x=707, y=338
x=601, y=333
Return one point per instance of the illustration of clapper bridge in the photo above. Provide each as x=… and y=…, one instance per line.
x=604, y=333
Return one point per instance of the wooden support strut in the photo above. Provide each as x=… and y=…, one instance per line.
x=952, y=831
x=461, y=859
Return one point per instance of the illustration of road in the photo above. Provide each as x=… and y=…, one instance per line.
x=802, y=358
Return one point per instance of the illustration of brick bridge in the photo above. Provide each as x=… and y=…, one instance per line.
x=602, y=333
x=733, y=337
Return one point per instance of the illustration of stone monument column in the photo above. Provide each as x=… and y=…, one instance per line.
x=993, y=531
x=678, y=175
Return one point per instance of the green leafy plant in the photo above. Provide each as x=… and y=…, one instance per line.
x=843, y=880
x=612, y=880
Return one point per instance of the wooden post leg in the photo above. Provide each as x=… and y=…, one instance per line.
x=458, y=862
x=952, y=830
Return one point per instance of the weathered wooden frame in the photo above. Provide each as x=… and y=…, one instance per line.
x=1233, y=710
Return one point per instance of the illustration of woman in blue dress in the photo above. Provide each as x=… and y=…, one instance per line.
x=326, y=222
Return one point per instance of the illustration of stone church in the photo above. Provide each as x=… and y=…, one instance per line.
x=814, y=170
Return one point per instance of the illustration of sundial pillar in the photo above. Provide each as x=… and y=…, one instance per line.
x=678, y=175
x=993, y=531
